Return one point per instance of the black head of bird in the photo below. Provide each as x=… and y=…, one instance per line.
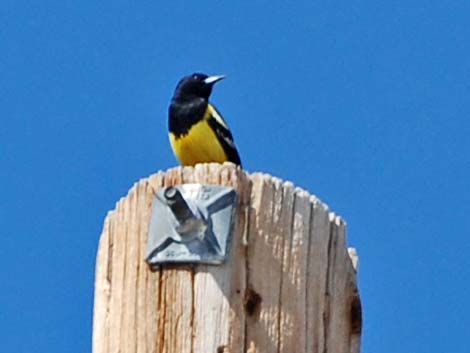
x=197, y=85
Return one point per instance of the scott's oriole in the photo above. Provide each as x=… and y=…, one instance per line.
x=198, y=133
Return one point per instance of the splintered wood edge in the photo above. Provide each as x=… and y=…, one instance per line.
x=352, y=252
x=154, y=181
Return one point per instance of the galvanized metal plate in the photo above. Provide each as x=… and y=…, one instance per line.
x=191, y=223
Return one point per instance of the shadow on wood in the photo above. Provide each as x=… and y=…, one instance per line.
x=289, y=284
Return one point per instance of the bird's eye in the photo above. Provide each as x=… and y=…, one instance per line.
x=195, y=77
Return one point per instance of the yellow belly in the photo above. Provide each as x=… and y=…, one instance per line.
x=199, y=145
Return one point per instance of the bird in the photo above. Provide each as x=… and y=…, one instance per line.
x=197, y=131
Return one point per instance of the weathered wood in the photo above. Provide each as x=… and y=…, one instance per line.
x=289, y=284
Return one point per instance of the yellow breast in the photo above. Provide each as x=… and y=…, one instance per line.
x=199, y=145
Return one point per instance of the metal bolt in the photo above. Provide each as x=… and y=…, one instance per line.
x=178, y=205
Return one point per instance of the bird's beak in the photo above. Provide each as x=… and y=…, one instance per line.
x=213, y=79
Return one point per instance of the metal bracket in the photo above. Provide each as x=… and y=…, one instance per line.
x=191, y=223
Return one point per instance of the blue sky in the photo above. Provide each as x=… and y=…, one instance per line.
x=364, y=103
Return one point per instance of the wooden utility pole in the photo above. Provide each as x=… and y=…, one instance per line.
x=288, y=286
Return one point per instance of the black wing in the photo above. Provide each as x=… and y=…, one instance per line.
x=224, y=136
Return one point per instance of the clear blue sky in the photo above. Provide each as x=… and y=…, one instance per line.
x=366, y=104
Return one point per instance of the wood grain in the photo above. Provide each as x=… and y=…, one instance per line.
x=289, y=284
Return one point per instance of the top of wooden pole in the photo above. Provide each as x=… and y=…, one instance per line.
x=289, y=284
